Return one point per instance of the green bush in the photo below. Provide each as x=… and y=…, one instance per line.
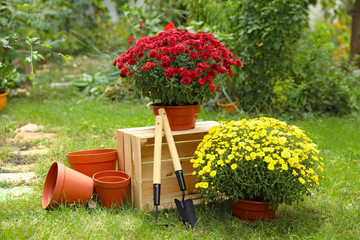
x=324, y=81
x=266, y=33
x=287, y=69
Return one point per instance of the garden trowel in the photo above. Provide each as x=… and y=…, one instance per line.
x=185, y=207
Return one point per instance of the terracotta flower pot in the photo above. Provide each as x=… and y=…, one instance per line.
x=251, y=210
x=3, y=100
x=111, y=187
x=90, y=162
x=65, y=185
x=225, y=105
x=180, y=117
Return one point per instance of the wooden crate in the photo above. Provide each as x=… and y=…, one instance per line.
x=136, y=153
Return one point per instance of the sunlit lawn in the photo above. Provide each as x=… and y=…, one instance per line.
x=332, y=212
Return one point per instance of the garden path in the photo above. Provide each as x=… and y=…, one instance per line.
x=18, y=170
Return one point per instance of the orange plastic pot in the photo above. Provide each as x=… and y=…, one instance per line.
x=3, y=100
x=180, y=117
x=65, y=185
x=90, y=162
x=111, y=187
x=251, y=210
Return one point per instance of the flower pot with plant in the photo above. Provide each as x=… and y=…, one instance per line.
x=8, y=77
x=263, y=160
x=177, y=68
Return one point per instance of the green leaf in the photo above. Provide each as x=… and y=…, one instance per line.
x=67, y=58
x=27, y=60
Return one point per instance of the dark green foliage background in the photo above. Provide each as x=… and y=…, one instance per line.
x=286, y=69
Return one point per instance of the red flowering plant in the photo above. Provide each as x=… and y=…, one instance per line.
x=177, y=67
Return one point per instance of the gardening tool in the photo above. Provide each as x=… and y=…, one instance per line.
x=157, y=164
x=185, y=208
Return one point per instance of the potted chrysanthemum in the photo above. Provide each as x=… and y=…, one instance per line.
x=8, y=80
x=260, y=163
x=177, y=68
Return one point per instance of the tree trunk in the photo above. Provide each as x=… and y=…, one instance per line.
x=355, y=33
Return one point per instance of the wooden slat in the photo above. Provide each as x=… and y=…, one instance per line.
x=167, y=201
x=167, y=169
x=149, y=132
x=120, y=151
x=169, y=185
x=178, y=138
x=127, y=163
x=185, y=149
x=136, y=170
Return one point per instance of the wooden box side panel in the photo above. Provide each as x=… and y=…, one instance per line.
x=136, y=150
x=186, y=146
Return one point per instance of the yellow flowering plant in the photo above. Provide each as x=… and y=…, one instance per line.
x=260, y=159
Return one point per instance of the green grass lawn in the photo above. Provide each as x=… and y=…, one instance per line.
x=332, y=212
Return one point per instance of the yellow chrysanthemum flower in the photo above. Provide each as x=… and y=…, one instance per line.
x=301, y=180
x=285, y=154
x=271, y=167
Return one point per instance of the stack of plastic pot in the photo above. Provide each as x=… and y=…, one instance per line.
x=90, y=171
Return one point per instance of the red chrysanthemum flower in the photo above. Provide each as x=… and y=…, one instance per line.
x=123, y=75
x=124, y=69
x=169, y=72
x=211, y=87
x=238, y=62
x=149, y=65
x=153, y=53
x=142, y=25
x=193, y=74
x=185, y=80
x=201, y=81
x=193, y=55
x=130, y=40
x=169, y=26
x=132, y=61
x=140, y=54
x=207, y=79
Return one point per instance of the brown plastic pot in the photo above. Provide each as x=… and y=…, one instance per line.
x=90, y=162
x=180, y=117
x=3, y=100
x=111, y=187
x=65, y=185
x=251, y=210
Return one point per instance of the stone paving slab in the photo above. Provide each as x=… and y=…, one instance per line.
x=31, y=136
x=16, y=177
x=15, y=192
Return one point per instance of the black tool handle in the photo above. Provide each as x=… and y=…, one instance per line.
x=157, y=189
x=180, y=179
